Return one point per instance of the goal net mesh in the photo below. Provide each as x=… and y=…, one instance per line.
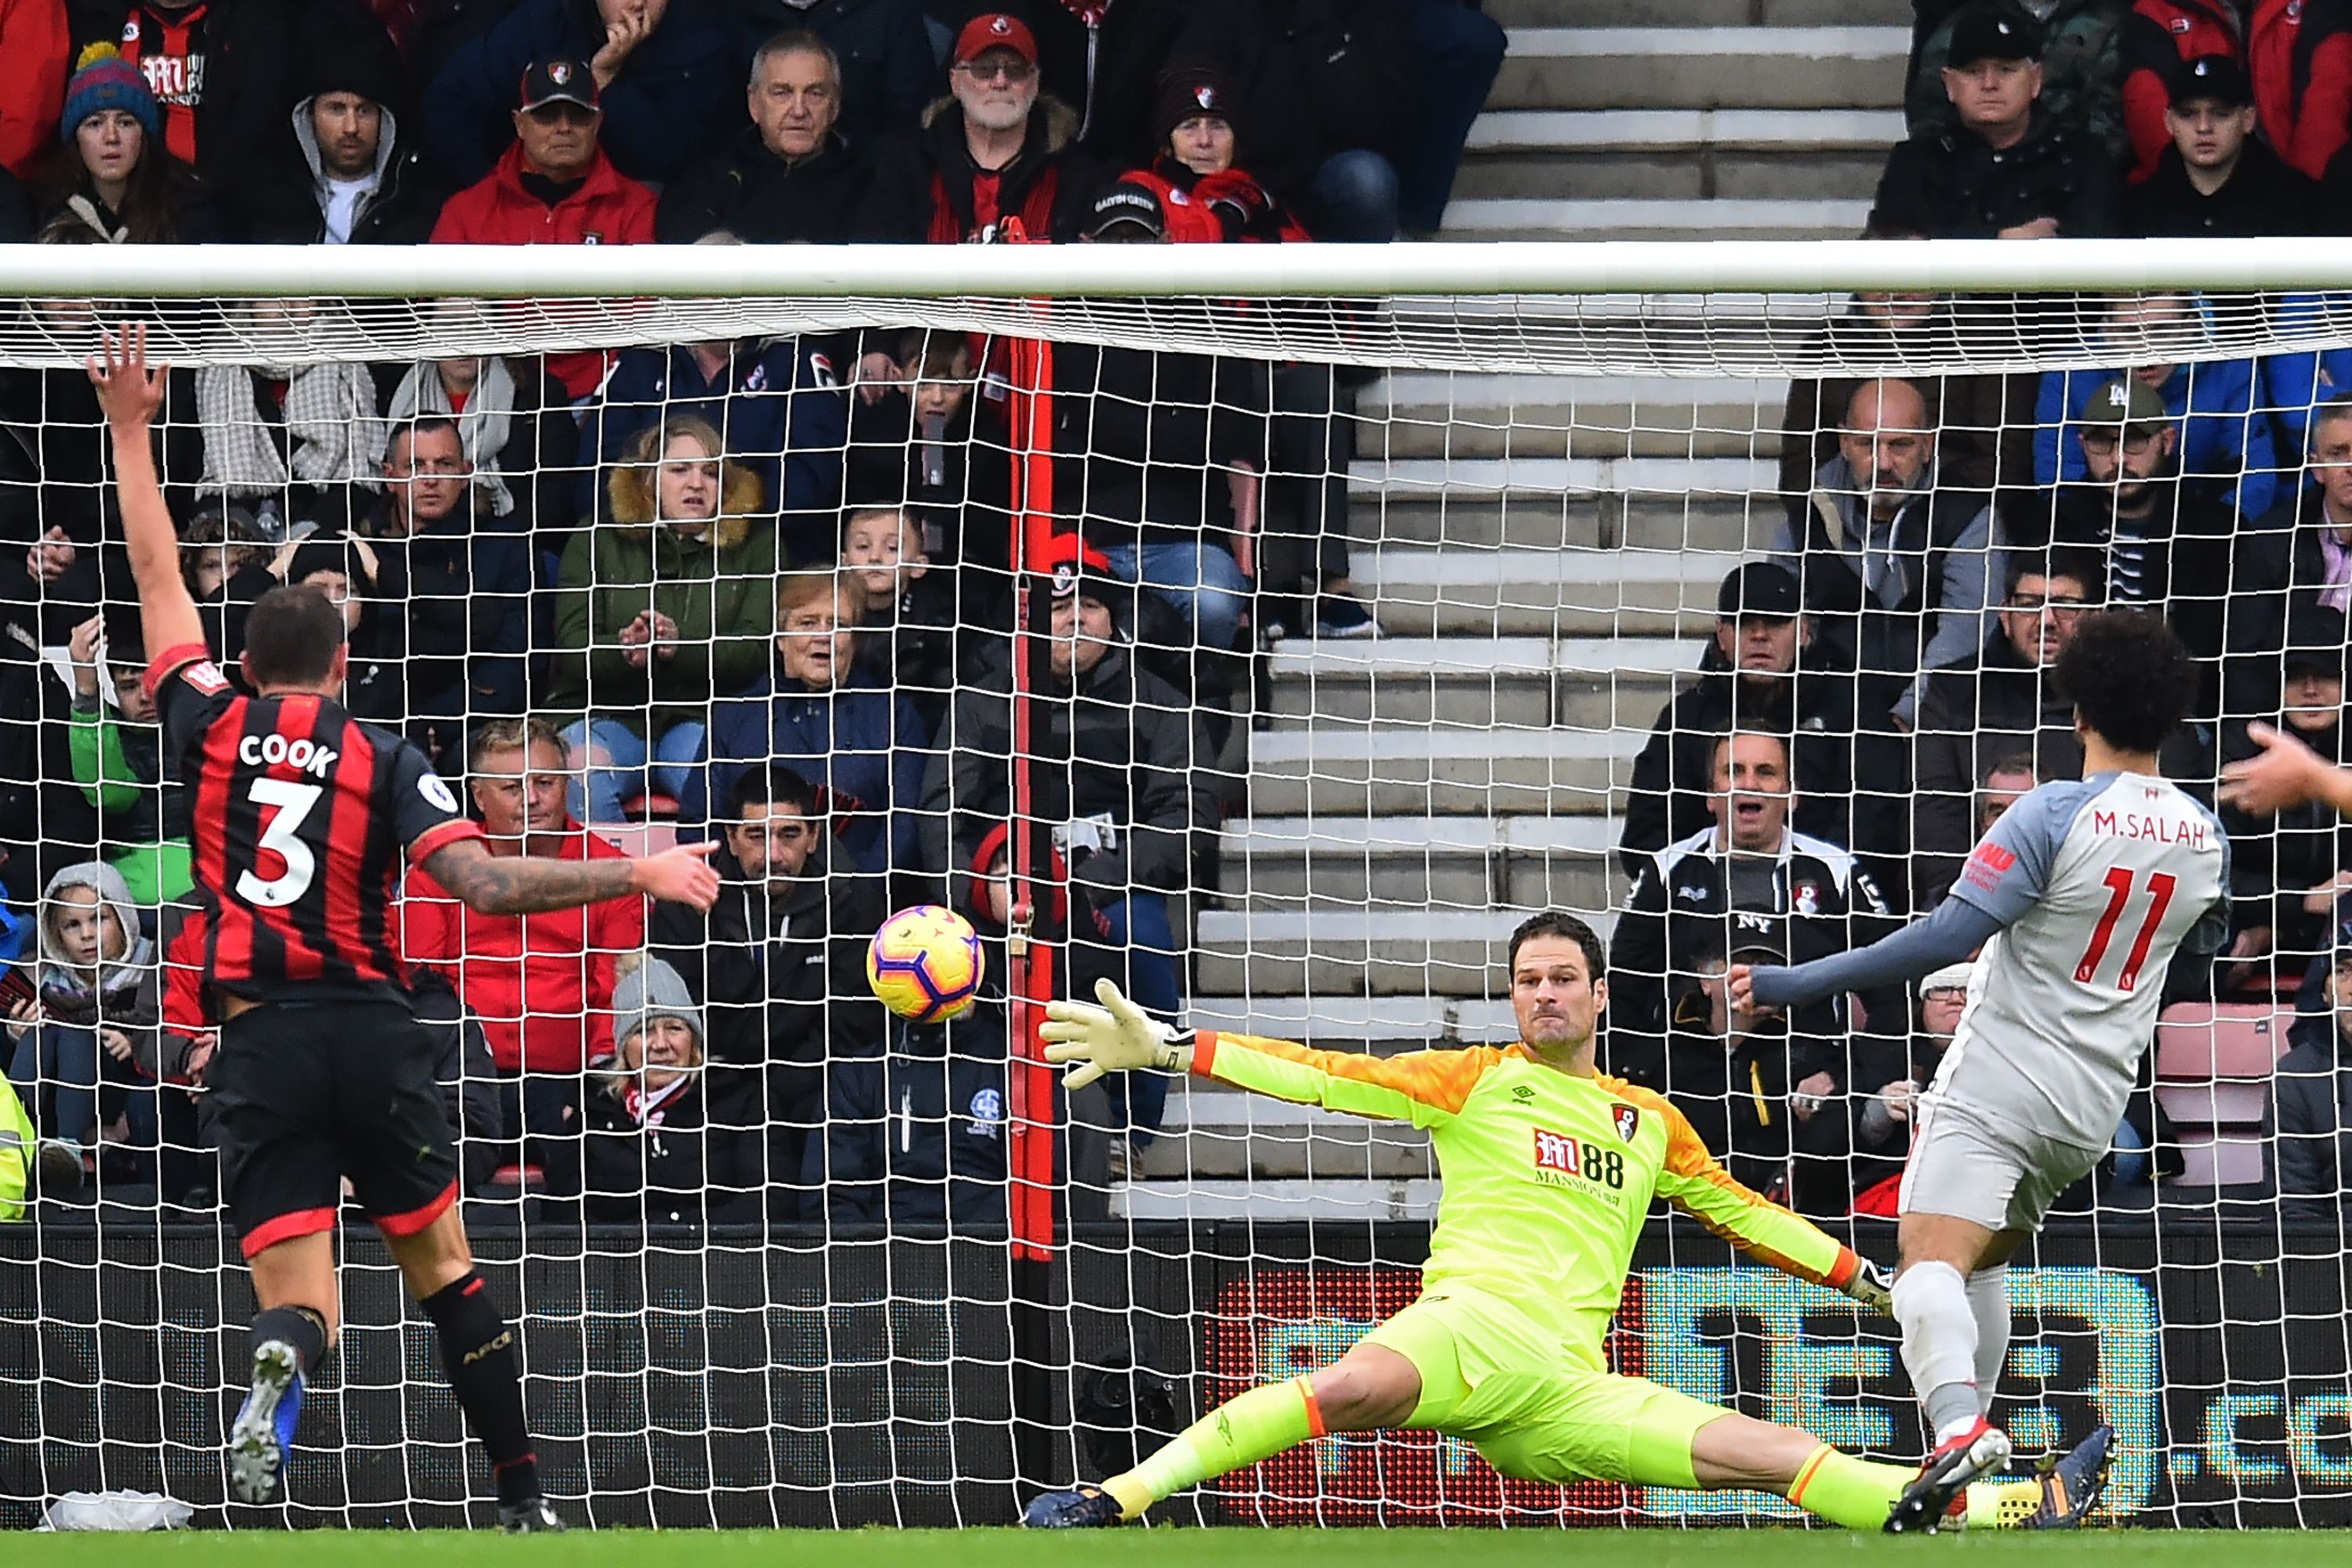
x=786, y=573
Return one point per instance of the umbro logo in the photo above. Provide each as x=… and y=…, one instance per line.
x=1522, y=1093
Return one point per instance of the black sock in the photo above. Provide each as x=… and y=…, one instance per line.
x=478, y=1356
x=302, y=1327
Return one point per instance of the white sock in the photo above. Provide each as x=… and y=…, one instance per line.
x=1939, y=1344
x=1989, y=1303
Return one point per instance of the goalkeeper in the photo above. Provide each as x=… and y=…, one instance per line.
x=1549, y=1169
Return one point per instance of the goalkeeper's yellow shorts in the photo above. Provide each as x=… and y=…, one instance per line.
x=1537, y=1407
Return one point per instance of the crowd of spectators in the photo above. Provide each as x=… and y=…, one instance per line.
x=757, y=590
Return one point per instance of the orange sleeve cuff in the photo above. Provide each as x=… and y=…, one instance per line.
x=1842, y=1272
x=1204, y=1052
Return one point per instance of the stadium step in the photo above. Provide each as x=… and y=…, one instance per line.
x=1496, y=218
x=1271, y=864
x=1440, y=414
x=1382, y=1024
x=1652, y=68
x=1734, y=154
x=1645, y=520
x=1594, y=683
x=1463, y=590
x=1521, y=14
x=1355, y=771
x=1373, y=952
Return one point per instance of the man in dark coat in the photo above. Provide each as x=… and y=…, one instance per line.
x=779, y=964
x=996, y=149
x=1760, y=673
x=2311, y=1104
x=356, y=168
x=2008, y=171
x=2218, y=178
x=789, y=177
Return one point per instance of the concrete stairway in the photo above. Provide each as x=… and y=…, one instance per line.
x=1542, y=555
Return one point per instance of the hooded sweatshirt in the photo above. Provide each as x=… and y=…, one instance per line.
x=74, y=995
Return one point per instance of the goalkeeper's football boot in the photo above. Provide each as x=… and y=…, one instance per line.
x=264, y=1432
x=2072, y=1485
x=530, y=1517
x=1927, y=1503
x=1085, y=1508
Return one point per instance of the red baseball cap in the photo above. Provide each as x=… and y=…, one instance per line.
x=995, y=31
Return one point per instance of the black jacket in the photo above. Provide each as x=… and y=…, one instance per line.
x=2311, y=1100
x=1142, y=439
x=401, y=210
x=2275, y=862
x=915, y=1135
x=921, y=187
x=681, y=1165
x=2261, y=197
x=1950, y=184
x=464, y=592
x=1672, y=776
x=1737, y=1096
x=783, y=984
x=2176, y=560
x=1119, y=752
x=1972, y=714
x=1680, y=912
x=760, y=198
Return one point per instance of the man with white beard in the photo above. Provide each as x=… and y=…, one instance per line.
x=997, y=148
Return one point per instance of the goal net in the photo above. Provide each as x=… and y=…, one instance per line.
x=1270, y=630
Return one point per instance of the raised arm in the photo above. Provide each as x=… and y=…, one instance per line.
x=1421, y=1087
x=130, y=393
x=1694, y=1183
x=531, y=885
x=2284, y=772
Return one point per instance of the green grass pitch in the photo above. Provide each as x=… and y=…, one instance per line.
x=998, y=1548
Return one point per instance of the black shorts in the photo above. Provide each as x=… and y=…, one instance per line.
x=306, y=1094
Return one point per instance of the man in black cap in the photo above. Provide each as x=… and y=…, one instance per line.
x=1762, y=670
x=2167, y=547
x=359, y=180
x=2217, y=178
x=2008, y=169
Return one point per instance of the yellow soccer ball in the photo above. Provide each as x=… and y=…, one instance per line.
x=925, y=964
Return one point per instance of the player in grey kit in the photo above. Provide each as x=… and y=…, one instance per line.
x=2079, y=896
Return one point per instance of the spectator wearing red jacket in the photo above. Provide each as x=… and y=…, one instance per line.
x=542, y=985
x=2299, y=55
x=2160, y=36
x=34, y=46
x=553, y=186
x=997, y=148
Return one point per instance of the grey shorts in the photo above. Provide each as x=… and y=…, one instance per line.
x=2003, y=1179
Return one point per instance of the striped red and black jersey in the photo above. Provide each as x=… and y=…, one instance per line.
x=304, y=820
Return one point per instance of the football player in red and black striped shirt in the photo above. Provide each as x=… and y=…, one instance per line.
x=305, y=819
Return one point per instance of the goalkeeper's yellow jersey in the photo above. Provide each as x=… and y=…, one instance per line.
x=1548, y=1177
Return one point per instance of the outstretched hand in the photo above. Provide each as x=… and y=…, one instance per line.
x=129, y=390
x=681, y=875
x=1118, y=1036
x=2284, y=772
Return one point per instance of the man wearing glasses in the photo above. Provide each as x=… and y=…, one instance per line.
x=1000, y=150
x=1997, y=702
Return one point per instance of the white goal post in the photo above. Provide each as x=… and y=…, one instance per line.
x=922, y=1282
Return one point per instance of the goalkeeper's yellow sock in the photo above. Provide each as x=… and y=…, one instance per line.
x=1859, y=1493
x=1255, y=1425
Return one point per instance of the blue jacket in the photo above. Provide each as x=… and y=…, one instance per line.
x=677, y=95
x=777, y=403
x=2223, y=435
x=2295, y=384
x=864, y=747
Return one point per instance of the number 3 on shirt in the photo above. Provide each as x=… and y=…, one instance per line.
x=285, y=805
x=2119, y=881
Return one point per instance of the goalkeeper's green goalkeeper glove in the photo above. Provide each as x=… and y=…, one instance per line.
x=1118, y=1036
x=1873, y=1285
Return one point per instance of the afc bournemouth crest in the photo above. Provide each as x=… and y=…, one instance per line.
x=1629, y=1121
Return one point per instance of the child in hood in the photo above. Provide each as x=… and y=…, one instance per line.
x=93, y=1016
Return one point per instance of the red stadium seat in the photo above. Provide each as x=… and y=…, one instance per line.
x=2197, y=1041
